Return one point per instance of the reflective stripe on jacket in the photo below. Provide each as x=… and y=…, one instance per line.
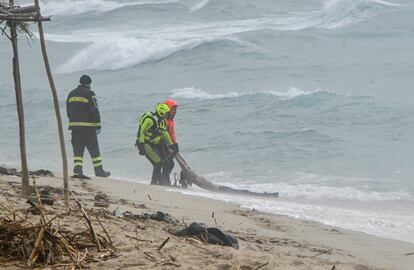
x=82, y=109
x=152, y=130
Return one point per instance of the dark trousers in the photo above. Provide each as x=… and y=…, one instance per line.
x=162, y=162
x=88, y=139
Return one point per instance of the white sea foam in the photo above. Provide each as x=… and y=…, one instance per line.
x=339, y=13
x=199, y=5
x=73, y=7
x=106, y=53
x=315, y=187
x=110, y=50
x=391, y=224
x=196, y=93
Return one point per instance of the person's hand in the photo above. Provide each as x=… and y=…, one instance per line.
x=141, y=149
x=98, y=130
x=175, y=148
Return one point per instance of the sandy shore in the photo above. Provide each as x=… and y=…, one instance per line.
x=266, y=241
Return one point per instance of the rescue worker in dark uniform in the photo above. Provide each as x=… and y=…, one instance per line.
x=85, y=124
x=154, y=141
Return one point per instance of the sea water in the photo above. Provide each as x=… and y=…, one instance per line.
x=310, y=98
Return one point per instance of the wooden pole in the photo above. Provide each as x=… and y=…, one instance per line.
x=57, y=109
x=19, y=103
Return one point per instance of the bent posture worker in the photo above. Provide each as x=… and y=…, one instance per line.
x=85, y=124
x=155, y=143
x=170, y=125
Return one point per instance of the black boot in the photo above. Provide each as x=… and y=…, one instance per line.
x=78, y=173
x=99, y=171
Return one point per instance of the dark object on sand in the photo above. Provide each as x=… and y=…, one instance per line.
x=210, y=235
x=101, y=200
x=41, y=172
x=192, y=178
x=15, y=172
x=33, y=201
x=158, y=216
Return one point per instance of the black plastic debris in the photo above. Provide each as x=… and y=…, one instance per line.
x=15, y=172
x=101, y=200
x=158, y=216
x=210, y=235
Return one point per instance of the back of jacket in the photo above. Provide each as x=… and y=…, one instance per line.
x=82, y=109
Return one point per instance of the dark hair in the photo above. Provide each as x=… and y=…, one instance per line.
x=85, y=79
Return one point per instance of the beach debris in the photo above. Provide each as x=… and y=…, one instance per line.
x=140, y=206
x=213, y=217
x=163, y=243
x=101, y=200
x=15, y=172
x=89, y=223
x=44, y=243
x=208, y=235
x=158, y=216
x=322, y=252
x=409, y=254
x=260, y=266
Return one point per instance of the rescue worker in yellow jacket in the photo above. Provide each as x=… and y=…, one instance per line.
x=154, y=141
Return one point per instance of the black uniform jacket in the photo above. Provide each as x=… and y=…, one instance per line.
x=82, y=109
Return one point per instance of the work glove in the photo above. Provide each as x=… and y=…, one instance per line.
x=98, y=130
x=141, y=148
x=175, y=148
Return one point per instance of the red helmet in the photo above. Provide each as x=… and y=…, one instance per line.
x=171, y=103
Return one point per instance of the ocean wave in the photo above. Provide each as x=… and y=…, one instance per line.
x=108, y=53
x=199, y=5
x=196, y=93
x=74, y=7
x=377, y=221
x=339, y=13
x=316, y=187
x=111, y=50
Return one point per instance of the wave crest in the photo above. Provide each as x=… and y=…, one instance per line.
x=107, y=54
x=339, y=13
x=74, y=7
x=196, y=93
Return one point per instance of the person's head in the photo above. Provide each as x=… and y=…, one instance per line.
x=173, y=108
x=162, y=110
x=85, y=80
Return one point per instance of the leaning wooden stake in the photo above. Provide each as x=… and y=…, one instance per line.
x=57, y=109
x=19, y=103
x=88, y=221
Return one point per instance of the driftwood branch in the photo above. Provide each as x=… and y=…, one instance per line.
x=163, y=244
x=106, y=232
x=24, y=9
x=20, y=18
x=88, y=221
x=322, y=252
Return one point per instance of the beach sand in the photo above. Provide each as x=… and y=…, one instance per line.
x=266, y=241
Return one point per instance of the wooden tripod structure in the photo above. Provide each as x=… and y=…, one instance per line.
x=17, y=18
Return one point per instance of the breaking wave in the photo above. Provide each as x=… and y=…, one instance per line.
x=195, y=93
x=339, y=13
x=107, y=54
x=74, y=7
x=111, y=50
